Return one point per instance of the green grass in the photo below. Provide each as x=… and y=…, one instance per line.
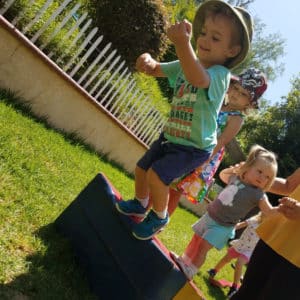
x=42, y=170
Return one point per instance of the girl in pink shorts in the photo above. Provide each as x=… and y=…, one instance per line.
x=241, y=249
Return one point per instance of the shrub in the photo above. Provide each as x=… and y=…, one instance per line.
x=133, y=27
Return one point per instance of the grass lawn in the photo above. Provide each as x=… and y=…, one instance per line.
x=41, y=172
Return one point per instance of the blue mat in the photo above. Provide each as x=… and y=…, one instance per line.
x=117, y=265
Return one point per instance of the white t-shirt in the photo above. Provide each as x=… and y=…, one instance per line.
x=248, y=239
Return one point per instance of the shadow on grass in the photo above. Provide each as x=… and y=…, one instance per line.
x=215, y=292
x=53, y=274
x=23, y=107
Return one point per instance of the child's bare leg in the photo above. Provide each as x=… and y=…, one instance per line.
x=192, y=248
x=141, y=185
x=224, y=260
x=199, y=258
x=239, y=270
x=174, y=197
x=157, y=218
x=159, y=193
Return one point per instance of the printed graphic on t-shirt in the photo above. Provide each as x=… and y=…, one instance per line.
x=227, y=195
x=180, y=121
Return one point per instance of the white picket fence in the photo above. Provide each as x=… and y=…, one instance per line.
x=105, y=77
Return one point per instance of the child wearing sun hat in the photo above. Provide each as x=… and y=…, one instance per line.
x=222, y=35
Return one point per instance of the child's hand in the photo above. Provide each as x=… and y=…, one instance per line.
x=290, y=208
x=180, y=32
x=146, y=64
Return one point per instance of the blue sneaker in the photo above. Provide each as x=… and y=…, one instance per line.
x=151, y=225
x=131, y=208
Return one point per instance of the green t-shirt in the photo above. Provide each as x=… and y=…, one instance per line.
x=194, y=111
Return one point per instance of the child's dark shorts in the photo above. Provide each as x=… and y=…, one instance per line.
x=170, y=161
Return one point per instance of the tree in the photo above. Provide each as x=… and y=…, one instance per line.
x=265, y=52
x=133, y=27
x=277, y=129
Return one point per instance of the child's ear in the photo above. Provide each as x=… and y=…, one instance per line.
x=234, y=51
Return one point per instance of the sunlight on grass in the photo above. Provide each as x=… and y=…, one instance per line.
x=41, y=173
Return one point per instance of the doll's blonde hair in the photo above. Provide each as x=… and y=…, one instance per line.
x=258, y=153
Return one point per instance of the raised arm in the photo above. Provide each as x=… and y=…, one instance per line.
x=231, y=129
x=266, y=207
x=180, y=34
x=225, y=174
x=147, y=65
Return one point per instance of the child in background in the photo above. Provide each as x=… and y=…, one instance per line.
x=274, y=268
x=241, y=249
x=222, y=34
x=243, y=95
x=245, y=190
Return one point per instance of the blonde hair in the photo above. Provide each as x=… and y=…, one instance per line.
x=258, y=153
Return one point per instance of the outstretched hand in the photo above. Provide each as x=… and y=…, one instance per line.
x=180, y=32
x=290, y=208
x=146, y=64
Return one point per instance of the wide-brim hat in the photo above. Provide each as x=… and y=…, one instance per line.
x=242, y=15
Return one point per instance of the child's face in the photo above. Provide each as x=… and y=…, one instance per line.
x=259, y=174
x=238, y=97
x=214, y=44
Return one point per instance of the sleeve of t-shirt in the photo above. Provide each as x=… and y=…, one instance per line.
x=171, y=70
x=219, y=82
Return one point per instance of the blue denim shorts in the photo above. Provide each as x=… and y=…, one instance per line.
x=170, y=161
x=213, y=232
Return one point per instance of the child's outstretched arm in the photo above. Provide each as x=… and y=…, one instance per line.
x=241, y=225
x=180, y=34
x=231, y=129
x=266, y=207
x=147, y=65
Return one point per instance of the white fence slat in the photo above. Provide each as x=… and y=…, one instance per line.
x=81, y=48
x=60, y=25
x=78, y=36
x=127, y=104
x=93, y=64
x=150, y=125
x=135, y=103
x=155, y=131
x=70, y=32
x=138, y=129
x=144, y=103
x=122, y=97
x=111, y=77
x=21, y=14
x=50, y=20
x=37, y=16
x=124, y=91
x=86, y=55
x=113, y=88
x=108, y=59
x=99, y=69
x=4, y=9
